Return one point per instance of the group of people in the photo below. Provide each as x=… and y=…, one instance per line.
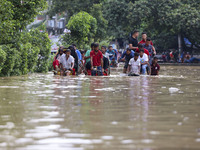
x=93, y=62
x=138, y=57
x=175, y=57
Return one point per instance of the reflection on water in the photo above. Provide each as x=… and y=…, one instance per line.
x=117, y=112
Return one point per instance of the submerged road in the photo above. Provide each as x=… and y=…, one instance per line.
x=42, y=111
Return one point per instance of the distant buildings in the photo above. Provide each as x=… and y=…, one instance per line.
x=56, y=26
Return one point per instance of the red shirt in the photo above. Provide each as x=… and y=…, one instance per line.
x=96, y=57
x=143, y=42
x=145, y=51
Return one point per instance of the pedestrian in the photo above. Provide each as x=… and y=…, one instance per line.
x=106, y=62
x=126, y=57
x=96, y=57
x=147, y=45
x=133, y=42
x=134, y=66
x=144, y=60
x=66, y=63
x=144, y=39
x=74, y=54
x=111, y=53
x=87, y=57
x=56, y=62
x=155, y=67
x=141, y=47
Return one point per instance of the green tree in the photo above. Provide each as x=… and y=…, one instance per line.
x=169, y=17
x=93, y=7
x=19, y=48
x=72, y=7
x=6, y=21
x=41, y=41
x=2, y=58
x=116, y=12
x=102, y=23
x=83, y=29
x=26, y=10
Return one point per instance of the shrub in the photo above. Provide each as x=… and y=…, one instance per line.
x=42, y=41
x=11, y=58
x=30, y=53
x=2, y=58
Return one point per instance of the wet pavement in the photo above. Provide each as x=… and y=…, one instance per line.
x=42, y=111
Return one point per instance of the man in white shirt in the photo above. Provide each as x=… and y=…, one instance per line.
x=67, y=63
x=134, y=66
x=144, y=60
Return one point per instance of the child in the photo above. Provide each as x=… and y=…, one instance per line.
x=155, y=68
x=134, y=66
x=113, y=63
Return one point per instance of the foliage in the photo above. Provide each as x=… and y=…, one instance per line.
x=19, y=48
x=22, y=57
x=102, y=23
x=50, y=62
x=25, y=11
x=104, y=43
x=162, y=19
x=83, y=28
x=72, y=7
x=42, y=41
x=111, y=15
x=11, y=58
x=2, y=58
x=6, y=21
x=169, y=16
x=116, y=13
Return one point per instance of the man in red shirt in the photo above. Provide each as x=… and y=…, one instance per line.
x=140, y=47
x=96, y=61
x=144, y=39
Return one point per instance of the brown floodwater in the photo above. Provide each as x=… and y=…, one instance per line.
x=42, y=111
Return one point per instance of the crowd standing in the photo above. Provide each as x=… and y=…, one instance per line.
x=173, y=56
x=138, y=58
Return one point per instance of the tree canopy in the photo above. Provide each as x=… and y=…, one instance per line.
x=6, y=21
x=169, y=16
x=102, y=23
x=22, y=51
x=72, y=6
x=162, y=19
x=116, y=13
x=83, y=28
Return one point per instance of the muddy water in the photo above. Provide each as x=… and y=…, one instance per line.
x=97, y=113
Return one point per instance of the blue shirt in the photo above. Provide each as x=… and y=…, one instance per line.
x=111, y=54
x=127, y=57
x=79, y=55
x=116, y=52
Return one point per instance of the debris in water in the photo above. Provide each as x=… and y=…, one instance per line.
x=173, y=90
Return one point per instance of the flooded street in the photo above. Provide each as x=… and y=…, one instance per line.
x=42, y=111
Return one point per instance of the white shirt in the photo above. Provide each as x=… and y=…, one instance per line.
x=144, y=58
x=67, y=63
x=106, y=55
x=135, y=66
